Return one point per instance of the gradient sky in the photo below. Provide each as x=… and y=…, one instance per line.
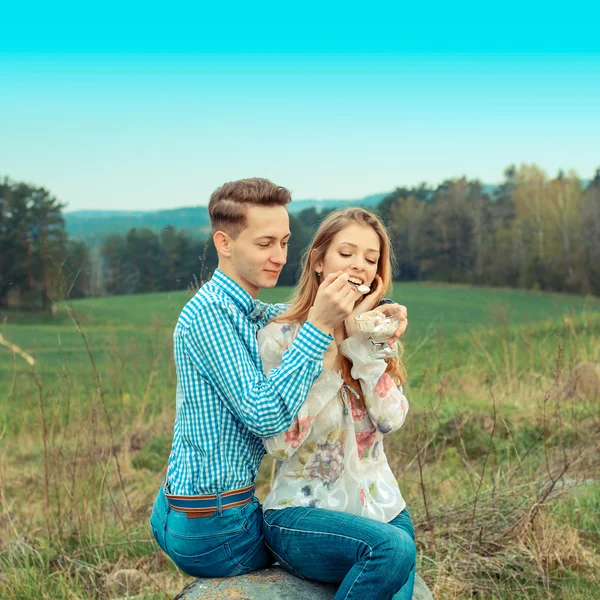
x=149, y=106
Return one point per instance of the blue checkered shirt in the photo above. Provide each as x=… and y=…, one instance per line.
x=225, y=404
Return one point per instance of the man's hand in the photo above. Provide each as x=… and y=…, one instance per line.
x=333, y=303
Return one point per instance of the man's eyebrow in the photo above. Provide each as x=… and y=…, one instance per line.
x=272, y=237
x=355, y=246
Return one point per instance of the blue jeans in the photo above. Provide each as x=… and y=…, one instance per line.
x=226, y=544
x=368, y=558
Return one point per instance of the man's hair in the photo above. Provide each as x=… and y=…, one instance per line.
x=228, y=204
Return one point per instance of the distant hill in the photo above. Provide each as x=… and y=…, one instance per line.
x=95, y=225
x=299, y=205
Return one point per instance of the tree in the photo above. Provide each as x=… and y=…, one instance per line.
x=48, y=239
x=32, y=242
x=144, y=258
x=76, y=270
x=565, y=196
x=115, y=264
x=299, y=241
x=309, y=219
x=450, y=247
x=14, y=261
x=175, y=254
x=531, y=225
x=406, y=218
x=590, y=234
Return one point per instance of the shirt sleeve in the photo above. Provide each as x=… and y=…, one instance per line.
x=274, y=342
x=266, y=406
x=386, y=404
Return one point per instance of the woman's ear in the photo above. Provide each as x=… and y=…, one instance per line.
x=222, y=243
x=317, y=266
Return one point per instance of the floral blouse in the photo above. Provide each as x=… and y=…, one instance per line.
x=332, y=454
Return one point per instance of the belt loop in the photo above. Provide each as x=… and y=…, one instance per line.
x=219, y=504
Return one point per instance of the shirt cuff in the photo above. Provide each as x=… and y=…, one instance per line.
x=357, y=349
x=386, y=301
x=312, y=341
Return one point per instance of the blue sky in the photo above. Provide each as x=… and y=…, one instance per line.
x=150, y=106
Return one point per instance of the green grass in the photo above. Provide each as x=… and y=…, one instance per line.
x=438, y=311
x=126, y=332
x=466, y=350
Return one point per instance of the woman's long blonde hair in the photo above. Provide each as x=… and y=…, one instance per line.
x=306, y=289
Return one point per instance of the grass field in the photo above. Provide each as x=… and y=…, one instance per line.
x=498, y=461
x=437, y=314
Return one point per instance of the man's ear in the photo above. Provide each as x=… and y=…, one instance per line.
x=222, y=243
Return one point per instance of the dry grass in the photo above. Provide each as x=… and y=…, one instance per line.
x=494, y=444
x=498, y=536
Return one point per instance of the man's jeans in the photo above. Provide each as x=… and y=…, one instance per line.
x=370, y=560
x=226, y=544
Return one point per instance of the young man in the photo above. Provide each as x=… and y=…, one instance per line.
x=205, y=516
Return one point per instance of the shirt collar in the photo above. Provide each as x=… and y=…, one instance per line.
x=234, y=290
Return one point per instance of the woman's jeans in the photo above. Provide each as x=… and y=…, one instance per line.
x=370, y=560
x=228, y=543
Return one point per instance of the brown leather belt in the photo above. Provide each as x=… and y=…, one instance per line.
x=196, y=507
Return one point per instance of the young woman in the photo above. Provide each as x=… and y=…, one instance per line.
x=335, y=512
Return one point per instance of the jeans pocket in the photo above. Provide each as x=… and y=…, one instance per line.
x=156, y=537
x=158, y=531
x=218, y=562
x=252, y=520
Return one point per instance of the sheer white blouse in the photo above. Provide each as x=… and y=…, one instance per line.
x=332, y=455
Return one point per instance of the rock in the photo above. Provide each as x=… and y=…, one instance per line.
x=584, y=382
x=421, y=591
x=125, y=582
x=271, y=584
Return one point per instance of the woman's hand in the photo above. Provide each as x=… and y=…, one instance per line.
x=391, y=308
x=369, y=302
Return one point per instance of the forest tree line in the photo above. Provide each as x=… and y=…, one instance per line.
x=532, y=232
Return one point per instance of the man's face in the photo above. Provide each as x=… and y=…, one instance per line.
x=260, y=251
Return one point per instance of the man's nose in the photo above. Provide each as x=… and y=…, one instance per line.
x=279, y=257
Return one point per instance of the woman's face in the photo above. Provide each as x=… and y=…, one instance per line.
x=354, y=250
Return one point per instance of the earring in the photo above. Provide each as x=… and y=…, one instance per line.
x=318, y=273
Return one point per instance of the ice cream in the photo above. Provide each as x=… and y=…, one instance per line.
x=363, y=289
x=379, y=328
x=377, y=324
